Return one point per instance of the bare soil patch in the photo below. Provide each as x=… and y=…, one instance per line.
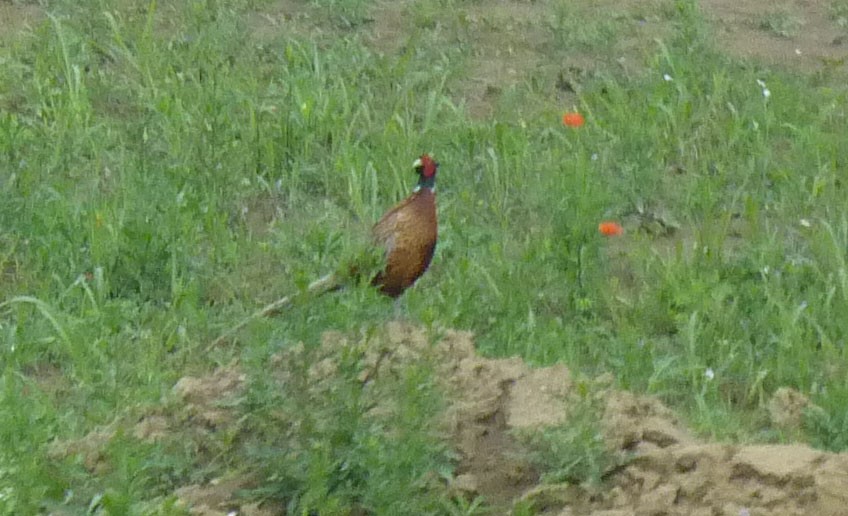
x=509, y=44
x=17, y=17
x=801, y=34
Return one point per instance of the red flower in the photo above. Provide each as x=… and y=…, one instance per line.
x=573, y=119
x=610, y=228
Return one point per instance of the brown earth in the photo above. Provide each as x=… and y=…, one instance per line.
x=16, y=18
x=664, y=469
x=803, y=34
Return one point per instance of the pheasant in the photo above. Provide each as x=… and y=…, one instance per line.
x=408, y=233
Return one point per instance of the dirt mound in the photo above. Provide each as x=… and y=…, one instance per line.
x=715, y=479
x=669, y=471
x=663, y=469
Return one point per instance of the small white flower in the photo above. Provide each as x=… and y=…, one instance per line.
x=802, y=306
x=762, y=84
x=709, y=374
x=806, y=223
x=732, y=108
x=594, y=156
x=797, y=51
x=667, y=77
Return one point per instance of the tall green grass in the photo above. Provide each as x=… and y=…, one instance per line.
x=164, y=173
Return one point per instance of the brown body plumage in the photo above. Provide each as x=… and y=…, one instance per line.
x=408, y=232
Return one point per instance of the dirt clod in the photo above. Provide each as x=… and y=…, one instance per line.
x=205, y=398
x=151, y=428
x=90, y=448
x=787, y=408
x=216, y=498
x=465, y=485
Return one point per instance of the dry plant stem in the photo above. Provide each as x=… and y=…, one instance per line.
x=372, y=373
x=317, y=287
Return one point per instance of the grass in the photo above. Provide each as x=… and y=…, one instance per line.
x=574, y=452
x=342, y=447
x=781, y=23
x=839, y=13
x=164, y=174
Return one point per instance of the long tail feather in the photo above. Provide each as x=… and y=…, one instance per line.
x=322, y=285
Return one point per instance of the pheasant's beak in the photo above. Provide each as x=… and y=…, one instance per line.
x=417, y=164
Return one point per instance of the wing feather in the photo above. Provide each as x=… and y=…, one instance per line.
x=386, y=228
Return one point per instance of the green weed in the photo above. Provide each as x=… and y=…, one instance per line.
x=781, y=23
x=839, y=13
x=165, y=171
x=575, y=451
x=327, y=443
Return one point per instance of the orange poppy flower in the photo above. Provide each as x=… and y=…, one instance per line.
x=573, y=119
x=610, y=228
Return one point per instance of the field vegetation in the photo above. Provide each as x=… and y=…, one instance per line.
x=166, y=168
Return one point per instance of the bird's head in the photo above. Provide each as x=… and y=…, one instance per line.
x=426, y=167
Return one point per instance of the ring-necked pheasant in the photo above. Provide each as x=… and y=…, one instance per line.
x=408, y=233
